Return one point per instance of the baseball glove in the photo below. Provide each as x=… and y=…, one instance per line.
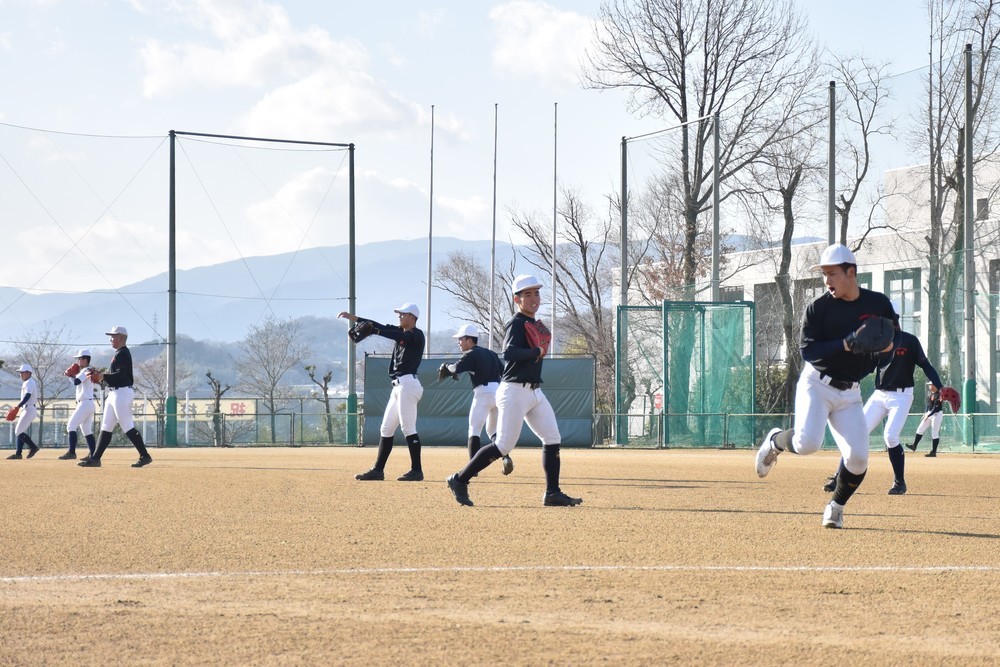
x=444, y=372
x=872, y=336
x=12, y=414
x=73, y=371
x=538, y=335
x=361, y=330
x=95, y=375
x=949, y=394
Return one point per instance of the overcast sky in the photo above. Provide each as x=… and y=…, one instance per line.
x=88, y=212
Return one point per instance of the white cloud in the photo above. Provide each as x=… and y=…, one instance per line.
x=537, y=40
x=5, y=41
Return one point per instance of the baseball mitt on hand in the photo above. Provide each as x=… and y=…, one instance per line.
x=444, y=372
x=12, y=414
x=872, y=336
x=361, y=330
x=73, y=371
x=538, y=335
x=951, y=395
x=95, y=375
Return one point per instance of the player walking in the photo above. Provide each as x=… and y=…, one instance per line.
x=829, y=387
x=118, y=404
x=520, y=399
x=893, y=397
x=484, y=369
x=29, y=394
x=401, y=410
x=83, y=415
x=933, y=415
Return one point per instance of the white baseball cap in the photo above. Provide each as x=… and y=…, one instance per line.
x=117, y=330
x=83, y=352
x=410, y=308
x=25, y=368
x=469, y=330
x=524, y=282
x=835, y=255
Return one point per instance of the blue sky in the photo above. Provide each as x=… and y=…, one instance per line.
x=91, y=213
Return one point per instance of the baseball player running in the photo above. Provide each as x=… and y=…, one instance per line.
x=83, y=415
x=118, y=404
x=24, y=412
x=401, y=410
x=933, y=416
x=520, y=399
x=484, y=369
x=893, y=397
x=828, y=388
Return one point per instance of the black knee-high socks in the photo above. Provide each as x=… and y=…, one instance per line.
x=847, y=484
x=474, y=445
x=483, y=458
x=551, y=464
x=135, y=438
x=384, y=449
x=413, y=443
x=897, y=459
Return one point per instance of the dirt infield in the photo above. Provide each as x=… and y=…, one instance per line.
x=277, y=556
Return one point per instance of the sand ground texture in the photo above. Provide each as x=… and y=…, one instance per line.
x=278, y=557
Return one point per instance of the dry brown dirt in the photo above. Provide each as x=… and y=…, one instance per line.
x=278, y=556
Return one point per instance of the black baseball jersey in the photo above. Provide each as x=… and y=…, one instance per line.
x=120, y=372
x=934, y=402
x=408, y=350
x=522, y=361
x=895, y=368
x=825, y=324
x=483, y=365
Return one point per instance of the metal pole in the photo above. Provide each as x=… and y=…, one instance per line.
x=493, y=242
x=831, y=168
x=621, y=425
x=170, y=416
x=716, y=182
x=430, y=243
x=968, y=401
x=555, y=191
x=352, y=395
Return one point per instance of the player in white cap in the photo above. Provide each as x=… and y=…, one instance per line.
x=401, y=409
x=520, y=400
x=484, y=369
x=829, y=386
x=24, y=412
x=83, y=415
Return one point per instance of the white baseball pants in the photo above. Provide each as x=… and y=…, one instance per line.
x=519, y=404
x=816, y=404
x=402, y=407
x=892, y=404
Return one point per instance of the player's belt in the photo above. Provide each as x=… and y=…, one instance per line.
x=395, y=381
x=529, y=385
x=896, y=388
x=127, y=386
x=842, y=385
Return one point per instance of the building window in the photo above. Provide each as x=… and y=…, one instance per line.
x=865, y=280
x=731, y=294
x=982, y=209
x=903, y=287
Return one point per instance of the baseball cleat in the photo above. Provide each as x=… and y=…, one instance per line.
x=143, y=461
x=508, y=465
x=898, y=489
x=560, y=499
x=460, y=489
x=831, y=484
x=411, y=476
x=32, y=451
x=373, y=475
x=833, y=516
x=929, y=455
x=767, y=454
x=14, y=456
x=90, y=463
x=912, y=447
x=68, y=456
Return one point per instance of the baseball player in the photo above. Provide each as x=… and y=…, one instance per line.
x=118, y=404
x=520, y=399
x=829, y=389
x=401, y=410
x=24, y=412
x=893, y=397
x=933, y=416
x=83, y=415
x=484, y=369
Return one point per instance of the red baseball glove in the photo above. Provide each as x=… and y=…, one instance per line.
x=12, y=414
x=538, y=335
x=949, y=394
x=73, y=370
x=95, y=375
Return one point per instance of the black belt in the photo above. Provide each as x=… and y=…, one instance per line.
x=396, y=380
x=842, y=385
x=532, y=385
x=128, y=386
x=896, y=388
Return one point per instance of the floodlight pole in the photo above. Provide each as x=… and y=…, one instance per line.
x=831, y=170
x=969, y=399
x=352, y=396
x=170, y=409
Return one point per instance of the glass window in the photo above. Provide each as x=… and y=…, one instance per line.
x=903, y=287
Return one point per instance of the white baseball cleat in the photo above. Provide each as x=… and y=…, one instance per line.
x=767, y=455
x=833, y=516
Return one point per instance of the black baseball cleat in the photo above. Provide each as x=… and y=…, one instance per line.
x=14, y=456
x=32, y=451
x=912, y=447
x=89, y=463
x=373, y=475
x=929, y=455
x=143, y=461
x=831, y=484
x=560, y=499
x=898, y=489
x=508, y=465
x=460, y=489
x=68, y=456
x=411, y=476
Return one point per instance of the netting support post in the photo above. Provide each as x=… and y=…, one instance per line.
x=170, y=418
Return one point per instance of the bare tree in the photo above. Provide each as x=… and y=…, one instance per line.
x=151, y=380
x=465, y=278
x=218, y=391
x=323, y=396
x=48, y=354
x=270, y=350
